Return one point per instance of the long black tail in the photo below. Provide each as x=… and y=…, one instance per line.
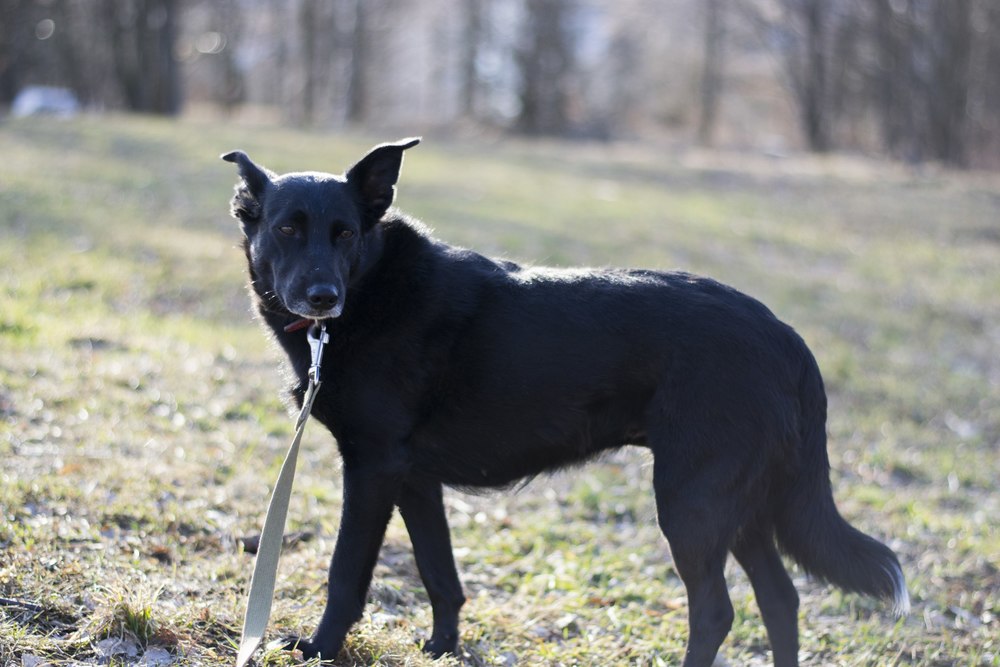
x=810, y=529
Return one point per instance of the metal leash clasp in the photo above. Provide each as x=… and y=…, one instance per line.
x=317, y=337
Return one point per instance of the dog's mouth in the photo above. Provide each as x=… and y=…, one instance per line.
x=308, y=315
x=305, y=322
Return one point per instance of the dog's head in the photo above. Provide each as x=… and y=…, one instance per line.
x=306, y=233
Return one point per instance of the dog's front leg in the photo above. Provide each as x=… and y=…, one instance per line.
x=422, y=507
x=369, y=497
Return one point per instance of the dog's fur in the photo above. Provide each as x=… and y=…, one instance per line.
x=446, y=367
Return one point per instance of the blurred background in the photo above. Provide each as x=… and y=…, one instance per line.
x=915, y=80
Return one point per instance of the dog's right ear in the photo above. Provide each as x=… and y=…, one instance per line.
x=247, y=200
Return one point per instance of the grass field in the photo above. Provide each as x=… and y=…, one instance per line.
x=141, y=419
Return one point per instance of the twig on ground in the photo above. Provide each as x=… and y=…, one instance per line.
x=23, y=604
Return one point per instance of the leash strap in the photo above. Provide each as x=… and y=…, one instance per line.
x=265, y=568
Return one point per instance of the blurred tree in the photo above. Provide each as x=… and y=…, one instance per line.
x=711, y=72
x=947, y=96
x=803, y=29
x=895, y=78
x=308, y=30
x=797, y=31
x=809, y=76
x=318, y=49
x=472, y=37
x=921, y=66
x=545, y=62
x=231, y=92
x=358, y=104
x=916, y=79
x=16, y=33
x=143, y=38
x=983, y=116
x=924, y=77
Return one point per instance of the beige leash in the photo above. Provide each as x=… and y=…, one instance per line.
x=265, y=567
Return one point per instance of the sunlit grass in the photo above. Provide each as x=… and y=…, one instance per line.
x=141, y=417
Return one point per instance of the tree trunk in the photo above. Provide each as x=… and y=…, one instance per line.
x=812, y=105
x=307, y=28
x=947, y=99
x=143, y=35
x=711, y=73
x=471, y=38
x=16, y=35
x=357, y=87
x=544, y=62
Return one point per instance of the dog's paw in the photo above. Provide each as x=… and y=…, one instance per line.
x=438, y=647
x=307, y=648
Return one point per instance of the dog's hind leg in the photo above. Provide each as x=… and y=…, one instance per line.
x=422, y=507
x=695, y=518
x=776, y=596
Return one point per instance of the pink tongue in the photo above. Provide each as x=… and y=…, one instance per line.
x=298, y=324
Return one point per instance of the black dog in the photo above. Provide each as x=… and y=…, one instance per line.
x=447, y=367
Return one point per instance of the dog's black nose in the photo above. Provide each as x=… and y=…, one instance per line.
x=322, y=297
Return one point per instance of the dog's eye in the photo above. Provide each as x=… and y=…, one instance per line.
x=346, y=234
x=287, y=230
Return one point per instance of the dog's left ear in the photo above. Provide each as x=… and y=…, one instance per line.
x=374, y=176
